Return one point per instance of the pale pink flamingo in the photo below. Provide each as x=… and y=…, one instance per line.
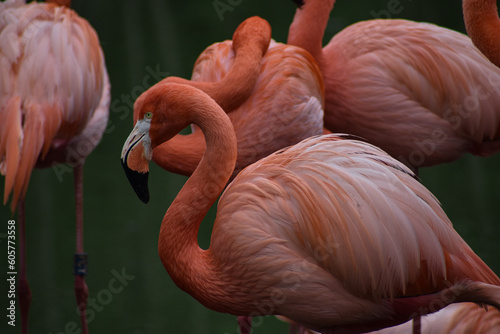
x=54, y=98
x=422, y=93
x=483, y=27
x=268, y=90
x=331, y=233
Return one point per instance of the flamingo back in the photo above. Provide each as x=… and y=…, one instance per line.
x=426, y=85
x=336, y=219
x=285, y=107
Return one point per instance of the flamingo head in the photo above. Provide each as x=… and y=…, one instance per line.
x=160, y=113
x=136, y=155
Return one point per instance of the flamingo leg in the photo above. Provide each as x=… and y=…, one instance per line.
x=23, y=287
x=293, y=329
x=417, y=325
x=80, y=258
x=245, y=324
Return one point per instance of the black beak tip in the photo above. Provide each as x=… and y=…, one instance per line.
x=139, y=182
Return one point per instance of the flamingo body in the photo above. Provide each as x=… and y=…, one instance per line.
x=54, y=91
x=331, y=233
x=424, y=94
x=305, y=215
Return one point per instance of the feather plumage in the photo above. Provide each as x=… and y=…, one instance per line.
x=43, y=118
x=425, y=85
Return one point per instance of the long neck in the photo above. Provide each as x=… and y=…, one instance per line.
x=308, y=26
x=236, y=86
x=189, y=266
x=483, y=27
x=250, y=42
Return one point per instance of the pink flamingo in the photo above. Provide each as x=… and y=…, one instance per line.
x=422, y=93
x=53, y=109
x=483, y=27
x=331, y=233
x=267, y=88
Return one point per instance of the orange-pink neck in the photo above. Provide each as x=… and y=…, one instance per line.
x=250, y=43
x=483, y=27
x=308, y=26
x=189, y=266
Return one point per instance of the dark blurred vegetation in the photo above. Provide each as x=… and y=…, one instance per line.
x=165, y=37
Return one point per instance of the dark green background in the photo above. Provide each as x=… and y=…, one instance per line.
x=121, y=233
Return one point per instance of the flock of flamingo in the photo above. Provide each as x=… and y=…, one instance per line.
x=322, y=220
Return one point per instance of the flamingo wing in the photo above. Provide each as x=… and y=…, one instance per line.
x=432, y=82
x=330, y=220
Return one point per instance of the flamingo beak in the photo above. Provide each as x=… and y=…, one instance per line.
x=135, y=158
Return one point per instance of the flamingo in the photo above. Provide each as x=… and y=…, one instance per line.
x=266, y=87
x=331, y=233
x=54, y=99
x=483, y=27
x=422, y=93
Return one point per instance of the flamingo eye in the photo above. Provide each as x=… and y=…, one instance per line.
x=148, y=115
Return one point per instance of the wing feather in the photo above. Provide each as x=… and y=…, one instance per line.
x=432, y=82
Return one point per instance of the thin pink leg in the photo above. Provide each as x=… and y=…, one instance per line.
x=23, y=287
x=245, y=324
x=80, y=260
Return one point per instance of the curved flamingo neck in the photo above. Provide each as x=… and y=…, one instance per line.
x=483, y=27
x=250, y=43
x=189, y=266
x=308, y=26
